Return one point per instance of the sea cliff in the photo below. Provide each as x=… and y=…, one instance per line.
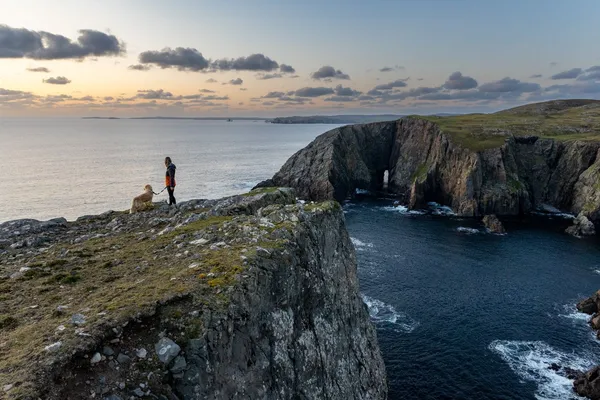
x=538, y=157
x=248, y=297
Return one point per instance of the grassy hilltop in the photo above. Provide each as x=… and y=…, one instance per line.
x=563, y=120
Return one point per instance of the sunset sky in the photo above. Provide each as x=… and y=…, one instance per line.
x=277, y=58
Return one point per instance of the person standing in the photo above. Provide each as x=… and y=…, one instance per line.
x=170, y=179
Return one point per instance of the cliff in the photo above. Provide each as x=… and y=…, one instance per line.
x=588, y=384
x=508, y=163
x=250, y=297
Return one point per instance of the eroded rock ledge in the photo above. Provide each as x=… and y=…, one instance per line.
x=474, y=169
x=250, y=297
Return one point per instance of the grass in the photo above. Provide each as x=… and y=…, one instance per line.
x=484, y=131
x=111, y=280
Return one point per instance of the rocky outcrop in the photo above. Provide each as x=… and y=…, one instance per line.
x=582, y=226
x=426, y=164
x=253, y=296
x=493, y=224
x=588, y=384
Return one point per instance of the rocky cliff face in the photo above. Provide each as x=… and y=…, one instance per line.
x=249, y=297
x=425, y=164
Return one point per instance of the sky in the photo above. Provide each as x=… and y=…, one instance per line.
x=269, y=58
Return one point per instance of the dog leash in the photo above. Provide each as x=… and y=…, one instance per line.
x=159, y=192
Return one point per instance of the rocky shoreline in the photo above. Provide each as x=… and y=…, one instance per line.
x=251, y=296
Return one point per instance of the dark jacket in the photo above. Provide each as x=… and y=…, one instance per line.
x=170, y=175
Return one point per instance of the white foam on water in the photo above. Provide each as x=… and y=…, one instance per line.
x=468, y=231
x=360, y=245
x=597, y=271
x=438, y=209
x=571, y=312
x=402, y=210
x=530, y=361
x=551, y=215
x=385, y=315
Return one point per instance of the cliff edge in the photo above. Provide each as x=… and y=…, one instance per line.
x=539, y=156
x=249, y=297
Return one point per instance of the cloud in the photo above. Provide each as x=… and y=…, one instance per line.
x=41, y=45
x=578, y=88
x=328, y=72
x=139, y=67
x=590, y=74
x=287, y=69
x=154, y=95
x=390, y=69
x=553, y=64
x=59, y=80
x=211, y=80
x=389, y=86
x=460, y=82
x=243, y=89
x=38, y=69
x=184, y=59
x=509, y=85
x=108, y=98
x=313, y=91
x=254, y=62
x=341, y=99
x=237, y=81
x=535, y=76
x=273, y=95
x=342, y=91
x=270, y=76
x=570, y=74
x=206, y=91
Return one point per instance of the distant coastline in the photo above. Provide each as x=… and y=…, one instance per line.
x=188, y=118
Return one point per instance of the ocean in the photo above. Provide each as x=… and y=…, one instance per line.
x=68, y=167
x=460, y=313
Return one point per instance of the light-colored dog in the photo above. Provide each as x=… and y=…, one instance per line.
x=141, y=202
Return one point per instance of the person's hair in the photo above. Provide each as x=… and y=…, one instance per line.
x=168, y=160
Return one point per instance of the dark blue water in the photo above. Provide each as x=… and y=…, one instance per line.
x=474, y=315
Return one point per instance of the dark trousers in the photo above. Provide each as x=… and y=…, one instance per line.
x=171, y=197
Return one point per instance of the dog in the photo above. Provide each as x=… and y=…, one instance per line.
x=141, y=202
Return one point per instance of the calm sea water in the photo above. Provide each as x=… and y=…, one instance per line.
x=460, y=314
x=71, y=167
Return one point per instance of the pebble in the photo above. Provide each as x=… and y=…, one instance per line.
x=123, y=359
x=107, y=351
x=6, y=388
x=141, y=353
x=139, y=392
x=121, y=385
x=60, y=328
x=96, y=358
x=78, y=319
x=53, y=347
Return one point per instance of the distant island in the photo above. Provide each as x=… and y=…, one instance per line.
x=189, y=118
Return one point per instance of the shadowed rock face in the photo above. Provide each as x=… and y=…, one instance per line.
x=425, y=164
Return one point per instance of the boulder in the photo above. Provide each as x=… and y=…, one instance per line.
x=582, y=226
x=588, y=385
x=493, y=224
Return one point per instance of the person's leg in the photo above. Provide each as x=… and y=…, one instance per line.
x=171, y=197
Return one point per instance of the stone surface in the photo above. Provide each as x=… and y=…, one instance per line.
x=493, y=224
x=166, y=350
